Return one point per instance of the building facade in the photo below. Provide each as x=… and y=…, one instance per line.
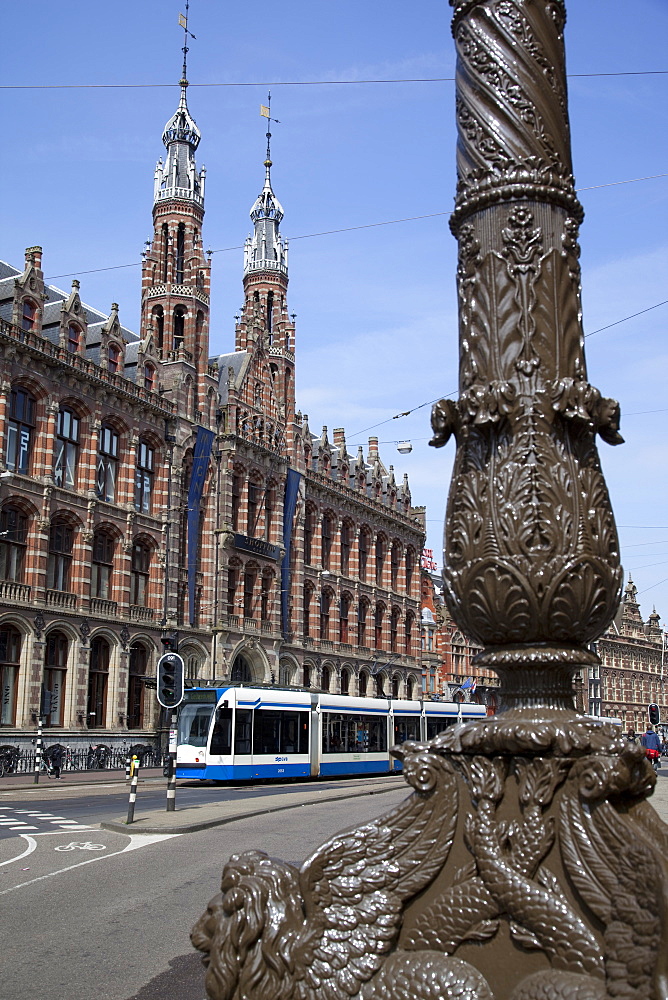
x=632, y=674
x=145, y=486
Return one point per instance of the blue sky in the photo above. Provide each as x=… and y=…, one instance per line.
x=376, y=307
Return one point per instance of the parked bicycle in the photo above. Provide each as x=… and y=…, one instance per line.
x=98, y=756
x=9, y=758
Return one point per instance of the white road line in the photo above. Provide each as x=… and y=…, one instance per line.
x=32, y=844
x=144, y=840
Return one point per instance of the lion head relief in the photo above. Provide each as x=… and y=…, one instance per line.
x=250, y=928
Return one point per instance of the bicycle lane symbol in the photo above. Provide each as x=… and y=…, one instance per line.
x=85, y=846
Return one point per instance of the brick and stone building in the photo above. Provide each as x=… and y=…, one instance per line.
x=145, y=486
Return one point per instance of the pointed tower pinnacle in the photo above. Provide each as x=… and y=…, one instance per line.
x=266, y=250
x=178, y=176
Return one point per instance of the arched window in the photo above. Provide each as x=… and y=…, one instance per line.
x=411, y=688
x=265, y=596
x=380, y=685
x=394, y=629
x=237, y=486
x=308, y=594
x=378, y=626
x=284, y=673
x=408, y=634
x=241, y=671
x=380, y=559
x=67, y=448
x=309, y=528
x=344, y=612
x=144, y=475
x=139, y=580
x=325, y=605
x=345, y=681
x=179, y=327
x=410, y=566
x=165, y=252
x=345, y=548
x=55, y=667
x=326, y=678
x=254, y=494
x=361, y=622
x=113, y=358
x=363, y=683
x=73, y=338
x=20, y=431
x=180, y=252
x=395, y=559
x=98, y=678
x=139, y=657
x=149, y=378
x=28, y=315
x=395, y=686
x=269, y=508
x=307, y=676
x=10, y=659
x=232, y=583
x=61, y=543
x=104, y=545
x=363, y=553
x=13, y=540
x=159, y=324
x=107, y=463
x=327, y=535
x=250, y=577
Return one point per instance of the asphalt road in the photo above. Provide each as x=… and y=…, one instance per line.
x=93, y=914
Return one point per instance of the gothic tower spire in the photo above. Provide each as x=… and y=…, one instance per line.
x=265, y=322
x=175, y=273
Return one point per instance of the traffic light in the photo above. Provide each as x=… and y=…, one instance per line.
x=170, y=680
x=170, y=641
x=654, y=714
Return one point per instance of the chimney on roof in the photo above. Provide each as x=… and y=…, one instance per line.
x=34, y=256
x=339, y=437
x=373, y=450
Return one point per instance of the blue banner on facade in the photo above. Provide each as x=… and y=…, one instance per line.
x=289, y=507
x=201, y=458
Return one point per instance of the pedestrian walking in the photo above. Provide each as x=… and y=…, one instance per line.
x=650, y=740
x=56, y=759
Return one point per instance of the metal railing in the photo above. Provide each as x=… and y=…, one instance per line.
x=98, y=757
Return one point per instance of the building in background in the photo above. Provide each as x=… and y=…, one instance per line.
x=632, y=674
x=145, y=486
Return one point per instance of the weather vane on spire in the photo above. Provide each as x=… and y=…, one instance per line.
x=265, y=111
x=183, y=23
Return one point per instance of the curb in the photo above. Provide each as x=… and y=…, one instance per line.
x=75, y=784
x=122, y=827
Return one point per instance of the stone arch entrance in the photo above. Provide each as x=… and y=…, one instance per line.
x=242, y=670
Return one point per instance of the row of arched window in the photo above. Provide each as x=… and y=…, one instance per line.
x=253, y=505
x=27, y=447
x=16, y=566
x=55, y=680
x=385, y=563
x=250, y=591
x=374, y=628
x=366, y=685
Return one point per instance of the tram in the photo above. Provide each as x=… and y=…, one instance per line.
x=240, y=733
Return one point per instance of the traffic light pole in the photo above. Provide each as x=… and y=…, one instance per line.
x=171, y=766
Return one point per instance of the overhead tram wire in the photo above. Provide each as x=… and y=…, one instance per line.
x=351, y=229
x=292, y=83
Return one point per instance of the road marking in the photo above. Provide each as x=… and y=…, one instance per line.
x=86, y=846
x=32, y=844
x=144, y=840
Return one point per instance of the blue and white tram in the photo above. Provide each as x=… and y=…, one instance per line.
x=239, y=733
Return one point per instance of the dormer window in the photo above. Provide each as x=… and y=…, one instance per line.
x=149, y=377
x=73, y=338
x=29, y=316
x=113, y=358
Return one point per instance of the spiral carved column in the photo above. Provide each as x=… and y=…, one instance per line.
x=527, y=863
x=531, y=553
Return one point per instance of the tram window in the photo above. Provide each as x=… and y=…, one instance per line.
x=436, y=726
x=194, y=721
x=221, y=737
x=278, y=732
x=242, y=731
x=406, y=728
x=343, y=733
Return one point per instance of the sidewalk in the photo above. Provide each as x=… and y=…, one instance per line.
x=194, y=818
x=70, y=779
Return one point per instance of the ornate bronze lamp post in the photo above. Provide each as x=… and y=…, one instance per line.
x=527, y=864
